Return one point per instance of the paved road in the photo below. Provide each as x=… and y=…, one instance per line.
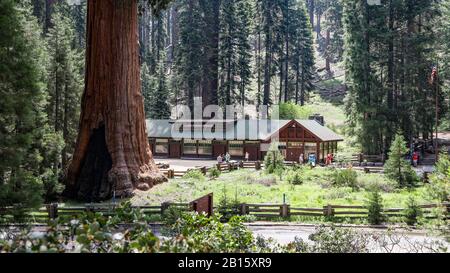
x=285, y=234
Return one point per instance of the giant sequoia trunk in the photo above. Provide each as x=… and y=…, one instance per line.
x=112, y=151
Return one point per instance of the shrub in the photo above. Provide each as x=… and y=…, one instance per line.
x=375, y=207
x=379, y=182
x=171, y=216
x=23, y=191
x=294, y=177
x=343, y=159
x=274, y=160
x=226, y=208
x=52, y=187
x=337, y=193
x=194, y=174
x=439, y=186
x=338, y=240
x=290, y=111
x=412, y=212
x=202, y=234
x=214, y=173
x=345, y=178
x=397, y=168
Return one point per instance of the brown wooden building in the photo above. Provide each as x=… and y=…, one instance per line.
x=206, y=139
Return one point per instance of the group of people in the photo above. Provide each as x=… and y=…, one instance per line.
x=227, y=158
x=328, y=160
x=223, y=158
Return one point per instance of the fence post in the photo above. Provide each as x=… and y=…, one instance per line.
x=328, y=210
x=171, y=174
x=164, y=206
x=244, y=209
x=285, y=211
x=89, y=208
x=257, y=165
x=52, y=210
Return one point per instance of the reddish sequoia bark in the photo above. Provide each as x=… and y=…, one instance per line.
x=112, y=149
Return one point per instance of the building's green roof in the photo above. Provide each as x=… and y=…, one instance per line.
x=322, y=132
x=239, y=130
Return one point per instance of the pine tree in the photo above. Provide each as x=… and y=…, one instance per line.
x=148, y=85
x=388, y=59
x=267, y=24
x=334, y=45
x=244, y=57
x=235, y=51
x=65, y=79
x=78, y=14
x=375, y=208
x=189, y=53
x=25, y=139
x=397, y=167
x=210, y=77
x=227, y=51
x=155, y=92
x=302, y=54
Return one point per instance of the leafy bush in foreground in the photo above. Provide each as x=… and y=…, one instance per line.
x=128, y=232
x=345, y=178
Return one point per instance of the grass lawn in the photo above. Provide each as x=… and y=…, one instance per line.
x=250, y=186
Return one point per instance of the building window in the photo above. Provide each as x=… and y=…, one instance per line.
x=310, y=148
x=162, y=146
x=190, y=147
x=295, y=145
x=236, y=148
x=205, y=147
x=282, y=147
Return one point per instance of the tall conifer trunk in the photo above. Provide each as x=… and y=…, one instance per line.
x=112, y=151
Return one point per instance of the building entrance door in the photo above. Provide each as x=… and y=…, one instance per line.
x=219, y=149
x=175, y=150
x=293, y=154
x=253, y=152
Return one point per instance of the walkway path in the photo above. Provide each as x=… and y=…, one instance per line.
x=286, y=233
x=184, y=165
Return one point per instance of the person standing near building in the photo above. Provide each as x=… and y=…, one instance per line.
x=301, y=159
x=247, y=156
x=220, y=159
x=329, y=159
x=227, y=158
x=415, y=158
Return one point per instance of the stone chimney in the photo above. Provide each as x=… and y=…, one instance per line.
x=319, y=118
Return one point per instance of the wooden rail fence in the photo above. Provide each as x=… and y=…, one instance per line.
x=286, y=210
x=264, y=211
x=256, y=165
